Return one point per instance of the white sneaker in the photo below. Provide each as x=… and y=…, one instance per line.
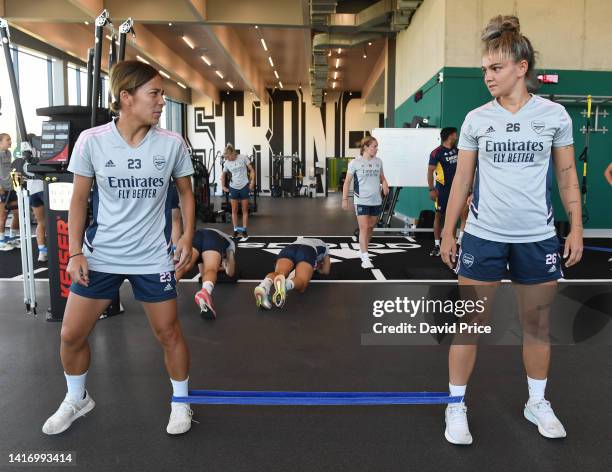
x=14, y=241
x=4, y=246
x=540, y=413
x=366, y=263
x=457, y=430
x=67, y=412
x=43, y=256
x=180, y=418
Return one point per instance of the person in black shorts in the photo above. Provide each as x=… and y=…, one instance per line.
x=305, y=255
x=214, y=251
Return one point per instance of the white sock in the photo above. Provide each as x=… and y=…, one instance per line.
x=208, y=286
x=288, y=284
x=267, y=284
x=76, y=386
x=180, y=388
x=460, y=237
x=13, y=232
x=437, y=242
x=457, y=390
x=364, y=256
x=2, y=236
x=536, y=388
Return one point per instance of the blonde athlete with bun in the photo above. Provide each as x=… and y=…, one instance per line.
x=512, y=144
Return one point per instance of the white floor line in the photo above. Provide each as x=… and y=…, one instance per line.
x=20, y=276
x=378, y=275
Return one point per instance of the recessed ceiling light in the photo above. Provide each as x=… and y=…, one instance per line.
x=188, y=42
x=276, y=74
x=141, y=59
x=169, y=24
x=270, y=61
x=86, y=22
x=329, y=53
x=337, y=62
x=333, y=85
x=370, y=43
x=219, y=73
x=205, y=59
x=230, y=85
x=164, y=74
x=335, y=75
x=339, y=50
x=256, y=27
x=365, y=56
x=181, y=85
x=280, y=84
x=263, y=43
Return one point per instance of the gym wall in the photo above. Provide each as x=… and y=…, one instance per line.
x=446, y=103
x=284, y=123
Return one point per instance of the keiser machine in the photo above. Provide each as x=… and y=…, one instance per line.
x=50, y=163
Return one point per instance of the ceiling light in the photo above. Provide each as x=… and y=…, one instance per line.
x=339, y=50
x=280, y=84
x=333, y=85
x=300, y=87
x=335, y=75
x=365, y=56
x=169, y=24
x=142, y=59
x=369, y=44
x=276, y=74
x=181, y=85
x=256, y=27
x=329, y=53
x=337, y=62
x=263, y=43
x=270, y=61
x=86, y=22
x=205, y=59
x=219, y=73
x=188, y=42
x=164, y=74
x=230, y=85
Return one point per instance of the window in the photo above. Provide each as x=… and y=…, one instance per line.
x=256, y=114
x=172, y=116
x=34, y=79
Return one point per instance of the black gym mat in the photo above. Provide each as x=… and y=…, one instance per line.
x=394, y=258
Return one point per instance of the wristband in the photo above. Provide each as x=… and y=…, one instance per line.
x=74, y=255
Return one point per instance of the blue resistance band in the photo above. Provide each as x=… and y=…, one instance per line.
x=220, y=397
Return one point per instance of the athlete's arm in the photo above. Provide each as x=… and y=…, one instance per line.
x=569, y=191
x=77, y=214
x=464, y=176
x=325, y=266
x=251, y=176
x=182, y=254
x=430, y=182
x=345, y=189
x=608, y=173
x=385, y=184
x=223, y=177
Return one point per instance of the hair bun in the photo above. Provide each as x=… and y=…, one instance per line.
x=500, y=24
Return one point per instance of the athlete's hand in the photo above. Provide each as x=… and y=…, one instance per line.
x=385, y=187
x=573, y=248
x=79, y=270
x=345, y=205
x=182, y=253
x=433, y=195
x=252, y=186
x=448, y=250
x=226, y=190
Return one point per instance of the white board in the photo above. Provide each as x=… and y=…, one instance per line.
x=405, y=154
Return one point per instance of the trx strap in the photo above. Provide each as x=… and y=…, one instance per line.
x=220, y=397
x=584, y=155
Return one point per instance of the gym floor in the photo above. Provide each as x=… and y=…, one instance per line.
x=312, y=344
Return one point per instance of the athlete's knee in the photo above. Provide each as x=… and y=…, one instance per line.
x=300, y=285
x=71, y=337
x=169, y=335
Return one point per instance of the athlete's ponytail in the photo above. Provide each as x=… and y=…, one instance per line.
x=503, y=36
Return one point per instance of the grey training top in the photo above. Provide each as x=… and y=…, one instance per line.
x=512, y=187
x=132, y=216
x=239, y=170
x=318, y=245
x=366, y=180
x=5, y=170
